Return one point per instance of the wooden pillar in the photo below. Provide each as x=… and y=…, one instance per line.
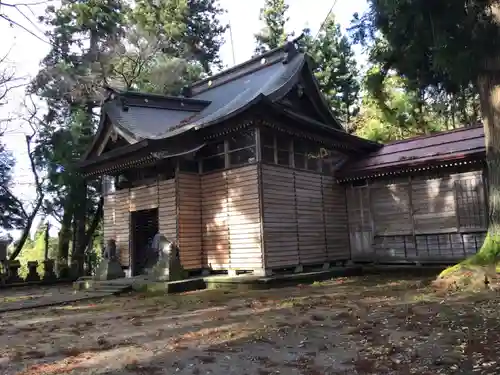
x=412, y=214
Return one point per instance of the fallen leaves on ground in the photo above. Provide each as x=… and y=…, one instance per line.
x=359, y=325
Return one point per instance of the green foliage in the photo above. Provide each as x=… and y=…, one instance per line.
x=398, y=115
x=404, y=95
x=335, y=64
x=10, y=210
x=187, y=29
x=336, y=69
x=139, y=63
x=445, y=45
x=153, y=46
x=34, y=250
x=273, y=34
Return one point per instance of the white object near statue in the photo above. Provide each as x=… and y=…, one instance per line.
x=168, y=266
x=109, y=268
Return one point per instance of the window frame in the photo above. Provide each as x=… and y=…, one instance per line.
x=294, y=154
x=227, y=151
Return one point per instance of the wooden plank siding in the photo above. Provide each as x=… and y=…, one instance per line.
x=336, y=224
x=117, y=222
x=215, y=236
x=361, y=228
x=119, y=205
x=280, y=225
x=167, y=208
x=189, y=208
x=244, y=219
x=231, y=219
x=419, y=218
x=144, y=197
x=304, y=218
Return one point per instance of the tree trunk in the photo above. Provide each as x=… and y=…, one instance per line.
x=489, y=95
x=46, y=242
x=27, y=229
x=80, y=228
x=65, y=232
x=94, y=223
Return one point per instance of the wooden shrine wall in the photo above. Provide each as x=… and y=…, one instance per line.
x=116, y=222
x=230, y=215
x=189, y=220
x=304, y=218
x=424, y=218
x=119, y=204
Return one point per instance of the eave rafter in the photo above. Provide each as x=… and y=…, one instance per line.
x=409, y=170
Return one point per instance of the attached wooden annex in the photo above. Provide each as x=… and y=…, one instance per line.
x=250, y=171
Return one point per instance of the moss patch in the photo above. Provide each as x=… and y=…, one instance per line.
x=476, y=272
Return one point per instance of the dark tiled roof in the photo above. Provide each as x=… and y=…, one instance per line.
x=453, y=145
x=146, y=122
x=224, y=95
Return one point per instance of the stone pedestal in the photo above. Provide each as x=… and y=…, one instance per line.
x=48, y=270
x=167, y=270
x=62, y=271
x=74, y=271
x=32, y=272
x=13, y=272
x=109, y=269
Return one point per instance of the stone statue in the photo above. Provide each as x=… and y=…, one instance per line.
x=109, y=268
x=110, y=250
x=168, y=266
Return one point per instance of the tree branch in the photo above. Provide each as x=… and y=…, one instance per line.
x=38, y=184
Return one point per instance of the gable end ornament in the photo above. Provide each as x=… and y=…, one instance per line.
x=290, y=51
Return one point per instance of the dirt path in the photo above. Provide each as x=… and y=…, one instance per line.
x=347, y=326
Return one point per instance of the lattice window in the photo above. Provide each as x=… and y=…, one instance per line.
x=471, y=206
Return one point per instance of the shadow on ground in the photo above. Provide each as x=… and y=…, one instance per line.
x=356, y=325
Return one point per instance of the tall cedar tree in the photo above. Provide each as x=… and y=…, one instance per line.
x=448, y=44
x=89, y=50
x=189, y=29
x=273, y=34
x=69, y=81
x=336, y=70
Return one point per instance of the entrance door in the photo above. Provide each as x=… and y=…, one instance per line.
x=144, y=225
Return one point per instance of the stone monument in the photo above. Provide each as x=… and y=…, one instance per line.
x=13, y=272
x=168, y=266
x=32, y=272
x=109, y=268
x=48, y=270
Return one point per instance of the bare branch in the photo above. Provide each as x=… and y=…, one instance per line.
x=18, y=202
x=14, y=23
x=29, y=218
x=25, y=4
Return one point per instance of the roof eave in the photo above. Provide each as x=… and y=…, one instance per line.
x=348, y=174
x=365, y=144
x=97, y=136
x=321, y=104
x=112, y=155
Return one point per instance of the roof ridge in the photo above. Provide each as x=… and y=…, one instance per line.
x=433, y=135
x=245, y=63
x=146, y=95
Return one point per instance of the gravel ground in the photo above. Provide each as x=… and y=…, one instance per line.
x=357, y=325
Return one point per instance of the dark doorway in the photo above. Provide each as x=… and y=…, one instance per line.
x=144, y=225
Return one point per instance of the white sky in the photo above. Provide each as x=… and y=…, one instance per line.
x=26, y=51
